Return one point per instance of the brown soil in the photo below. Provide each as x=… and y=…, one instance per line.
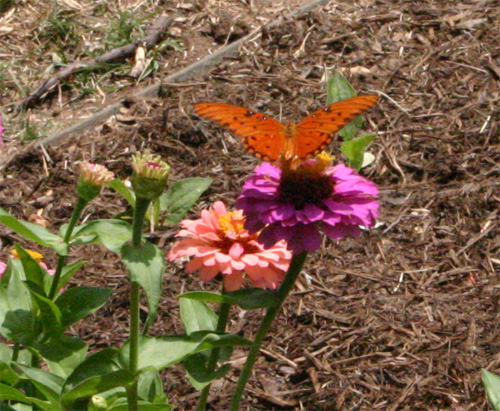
x=403, y=318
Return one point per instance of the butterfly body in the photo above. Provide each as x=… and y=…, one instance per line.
x=273, y=141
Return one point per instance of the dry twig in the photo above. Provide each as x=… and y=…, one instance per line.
x=153, y=36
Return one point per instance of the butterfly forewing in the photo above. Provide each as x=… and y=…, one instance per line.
x=261, y=134
x=316, y=131
x=269, y=139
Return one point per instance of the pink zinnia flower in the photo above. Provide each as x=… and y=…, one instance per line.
x=219, y=243
x=51, y=271
x=3, y=266
x=294, y=204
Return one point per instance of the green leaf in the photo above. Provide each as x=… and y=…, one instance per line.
x=20, y=407
x=32, y=269
x=12, y=394
x=5, y=352
x=121, y=188
x=181, y=196
x=354, y=150
x=50, y=315
x=50, y=385
x=110, y=233
x=162, y=352
x=208, y=296
x=197, y=316
x=100, y=363
x=251, y=298
x=23, y=357
x=100, y=372
x=150, y=388
x=17, y=320
x=153, y=214
x=339, y=89
x=77, y=303
x=96, y=385
x=146, y=264
x=5, y=277
x=196, y=368
x=7, y=374
x=34, y=232
x=67, y=274
x=491, y=384
x=143, y=406
x=246, y=298
x=63, y=354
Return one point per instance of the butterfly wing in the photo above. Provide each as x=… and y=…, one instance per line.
x=262, y=135
x=316, y=131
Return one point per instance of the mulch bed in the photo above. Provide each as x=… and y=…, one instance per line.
x=403, y=318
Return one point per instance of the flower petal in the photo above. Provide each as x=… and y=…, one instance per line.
x=233, y=282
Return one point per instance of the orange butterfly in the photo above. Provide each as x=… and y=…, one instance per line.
x=271, y=140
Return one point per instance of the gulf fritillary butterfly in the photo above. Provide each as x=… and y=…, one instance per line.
x=271, y=140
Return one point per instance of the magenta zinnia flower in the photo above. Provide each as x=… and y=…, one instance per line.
x=294, y=204
x=219, y=243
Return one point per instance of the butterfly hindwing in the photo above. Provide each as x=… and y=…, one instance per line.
x=311, y=143
x=262, y=135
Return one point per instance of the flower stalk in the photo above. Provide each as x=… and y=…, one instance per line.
x=296, y=265
x=61, y=261
x=148, y=181
x=92, y=178
x=15, y=351
x=141, y=207
x=224, y=310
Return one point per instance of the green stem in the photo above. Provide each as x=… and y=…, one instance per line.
x=285, y=288
x=141, y=206
x=31, y=389
x=214, y=355
x=77, y=211
x=134, y=344
x=15, y=351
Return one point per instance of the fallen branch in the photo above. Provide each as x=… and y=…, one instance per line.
x=153, y=36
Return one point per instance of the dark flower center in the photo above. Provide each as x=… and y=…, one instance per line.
x=226, y=243
x=300, y=187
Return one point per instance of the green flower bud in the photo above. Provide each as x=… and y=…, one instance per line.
x=92, y=178
x=99, y=402
x=150, y=175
